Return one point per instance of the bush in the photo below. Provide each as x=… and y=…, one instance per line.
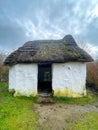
x=92, y=75
x=3, y=69
x=3, y=73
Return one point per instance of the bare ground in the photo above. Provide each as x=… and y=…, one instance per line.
x=61, y=116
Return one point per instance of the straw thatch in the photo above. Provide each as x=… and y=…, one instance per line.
x=49, y=51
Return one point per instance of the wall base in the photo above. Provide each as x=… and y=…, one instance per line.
x=69, y=93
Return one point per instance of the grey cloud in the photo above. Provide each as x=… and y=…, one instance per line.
x=11, y=36
x=91, y=32
x=23, y=20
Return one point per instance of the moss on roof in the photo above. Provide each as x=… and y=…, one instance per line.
x=49, y=51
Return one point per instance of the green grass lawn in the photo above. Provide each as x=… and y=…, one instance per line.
x=88, y=122
x=79, y=101
x=18, y=113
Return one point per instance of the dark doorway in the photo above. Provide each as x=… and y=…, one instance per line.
x=44, y=78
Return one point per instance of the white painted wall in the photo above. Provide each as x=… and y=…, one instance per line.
x=69, y=79
x=23, y=78
x=12, y=78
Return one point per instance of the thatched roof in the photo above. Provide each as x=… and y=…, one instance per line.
x=49, y=51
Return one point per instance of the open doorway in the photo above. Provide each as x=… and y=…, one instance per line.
x=44, y=78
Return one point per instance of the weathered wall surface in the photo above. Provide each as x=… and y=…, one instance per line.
x=12, y=78
x=23, y=78
x=69, y=79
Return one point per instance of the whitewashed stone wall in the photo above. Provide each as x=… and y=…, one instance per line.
x=12, y=78
x=69, y=79
x=23, y=78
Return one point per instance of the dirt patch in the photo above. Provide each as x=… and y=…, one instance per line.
x=61, y=116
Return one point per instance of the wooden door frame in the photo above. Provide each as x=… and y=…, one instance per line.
x=44, y=86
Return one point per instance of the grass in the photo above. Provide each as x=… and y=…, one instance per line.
x=16, y=113
x=89, y=121
x=81, y=101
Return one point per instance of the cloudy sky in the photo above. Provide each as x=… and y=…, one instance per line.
x=23, y=20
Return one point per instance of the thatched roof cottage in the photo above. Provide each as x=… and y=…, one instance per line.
x=44, y=66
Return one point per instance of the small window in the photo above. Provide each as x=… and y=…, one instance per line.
x=47, y=76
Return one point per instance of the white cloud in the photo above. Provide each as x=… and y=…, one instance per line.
x=39, y=31
x=93, y=50
x=88, y=47
x=55, y=20
x=95, y=11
